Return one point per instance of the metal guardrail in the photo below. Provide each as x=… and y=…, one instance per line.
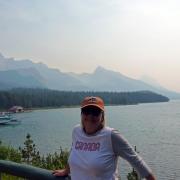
x=27, y=171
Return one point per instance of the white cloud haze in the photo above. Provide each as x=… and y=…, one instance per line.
x=134, y=37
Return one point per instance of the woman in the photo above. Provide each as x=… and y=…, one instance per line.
x=96, y=148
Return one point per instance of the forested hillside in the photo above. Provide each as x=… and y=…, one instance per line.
x=37, y=98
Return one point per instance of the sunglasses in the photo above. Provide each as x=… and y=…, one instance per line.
x=92, y=111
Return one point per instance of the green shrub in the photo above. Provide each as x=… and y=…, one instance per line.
x=56, y=160
x=9, y=153
x=132, y=175
x=30, y=155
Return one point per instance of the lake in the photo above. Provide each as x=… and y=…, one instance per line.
x=153, y=127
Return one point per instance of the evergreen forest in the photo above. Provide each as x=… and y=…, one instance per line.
x=44, y=98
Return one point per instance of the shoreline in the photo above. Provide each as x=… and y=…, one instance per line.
x=76, y=106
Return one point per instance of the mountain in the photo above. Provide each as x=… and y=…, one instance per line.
x=159, y=88
x=106, y=80
x=14, y=79
x=25, y=73
x=50, y=78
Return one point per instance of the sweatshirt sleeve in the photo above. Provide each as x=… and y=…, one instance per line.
x=122, y=148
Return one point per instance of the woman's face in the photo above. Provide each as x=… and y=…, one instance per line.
x=91, y=118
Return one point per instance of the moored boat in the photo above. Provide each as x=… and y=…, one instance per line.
x=5, y=121
x=6, y=118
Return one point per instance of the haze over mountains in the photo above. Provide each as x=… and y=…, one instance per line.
x=25, y=73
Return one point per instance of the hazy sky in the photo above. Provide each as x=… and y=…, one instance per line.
x=134, y=37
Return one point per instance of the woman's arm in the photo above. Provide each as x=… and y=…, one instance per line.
x=62, y=172
x=121, y=147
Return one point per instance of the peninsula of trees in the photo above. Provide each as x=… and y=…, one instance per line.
x=41, y=98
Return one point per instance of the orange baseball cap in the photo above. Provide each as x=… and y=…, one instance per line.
x=93, y=101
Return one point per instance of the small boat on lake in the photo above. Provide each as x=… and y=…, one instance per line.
x=6, y=118
x=5, y=115
x=4, y=121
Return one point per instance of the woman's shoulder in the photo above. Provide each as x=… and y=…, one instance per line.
x=77, y=128
x=111, y=130
x=116, y=134
x=118, y=138
x=107, y=130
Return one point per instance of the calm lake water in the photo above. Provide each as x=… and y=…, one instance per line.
x=154, y=128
